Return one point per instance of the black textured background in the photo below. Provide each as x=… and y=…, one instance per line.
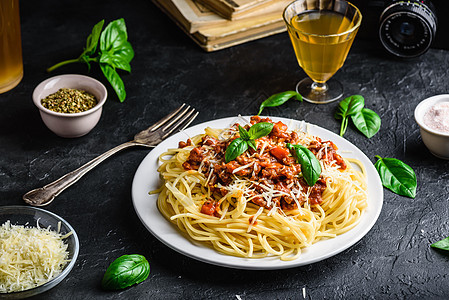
x=393, y=261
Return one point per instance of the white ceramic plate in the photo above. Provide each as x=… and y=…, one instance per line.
x=147, y=179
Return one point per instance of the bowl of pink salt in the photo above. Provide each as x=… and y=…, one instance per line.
x=432, y=116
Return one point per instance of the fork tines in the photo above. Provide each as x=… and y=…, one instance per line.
x=178, y=119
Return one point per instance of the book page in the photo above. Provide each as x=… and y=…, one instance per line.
x=232, y=9
x=194, y=16
x=240, y=4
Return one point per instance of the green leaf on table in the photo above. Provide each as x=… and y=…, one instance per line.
x=443, y=244
x=279, y=99
x=310, y=166
x=125, y=52
x=115, y=81
x=397, y=176
x=126, y=271
x=92, y=39
x=367, y=122
x=113, y=36
x=348, y=107
x=115, y=49
x=115, y=61
x=115, y=53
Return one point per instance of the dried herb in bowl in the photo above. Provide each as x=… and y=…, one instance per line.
x=69, y=101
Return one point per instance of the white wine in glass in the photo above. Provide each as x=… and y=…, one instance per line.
x=11, y=65
x=322, y=32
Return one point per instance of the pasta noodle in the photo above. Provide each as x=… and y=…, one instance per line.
x=255, y=218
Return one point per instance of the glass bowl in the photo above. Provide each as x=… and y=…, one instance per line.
x=31, y=216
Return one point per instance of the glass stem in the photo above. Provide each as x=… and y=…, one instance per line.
x=319, y=87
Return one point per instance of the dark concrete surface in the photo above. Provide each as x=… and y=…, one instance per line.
x=393, y=261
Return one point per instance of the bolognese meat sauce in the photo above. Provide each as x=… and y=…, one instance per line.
x=272, y=164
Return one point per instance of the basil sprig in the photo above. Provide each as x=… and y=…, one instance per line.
x=364, y=119
x=310, y=166
x=115, y=53
x=126, y=271
x=397, y=176
x=279, y=99
x=247, y=139
x=443, y=244
x=347, y=107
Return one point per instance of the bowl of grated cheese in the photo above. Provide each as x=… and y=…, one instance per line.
x=38, y=249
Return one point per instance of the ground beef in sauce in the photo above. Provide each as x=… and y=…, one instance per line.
x=275, y=166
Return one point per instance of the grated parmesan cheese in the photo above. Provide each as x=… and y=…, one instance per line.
x=29, y=256
x=242, y=167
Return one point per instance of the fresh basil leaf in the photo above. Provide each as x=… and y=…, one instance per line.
x=115, y=61
x=113, y=36
x=115, y=80
x=115, y=49
x=397, y=176
x=252, y=144
x=259, y=130
x=443, y=244
x=348, y=107
x=124, y=52
x=367, y=121
x=279, y=99
x=310, y=166
x=115, y=53
x=92, y=39
x=235, y=148
x=244, y=134
x=126, y=271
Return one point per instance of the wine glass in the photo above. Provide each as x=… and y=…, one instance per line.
x=322, y=32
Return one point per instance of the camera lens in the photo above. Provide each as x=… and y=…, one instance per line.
x=407, y=28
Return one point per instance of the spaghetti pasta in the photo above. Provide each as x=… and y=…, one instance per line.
x=259, y=205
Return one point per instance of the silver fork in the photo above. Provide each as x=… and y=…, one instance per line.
x=179, y=119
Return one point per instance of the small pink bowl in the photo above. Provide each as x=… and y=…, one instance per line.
x=76, y=124
x=436, y=141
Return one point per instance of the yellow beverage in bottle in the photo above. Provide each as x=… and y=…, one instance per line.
x=319, y=43
x=11, y=66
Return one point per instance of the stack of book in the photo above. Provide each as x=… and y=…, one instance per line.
x=218, y=24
